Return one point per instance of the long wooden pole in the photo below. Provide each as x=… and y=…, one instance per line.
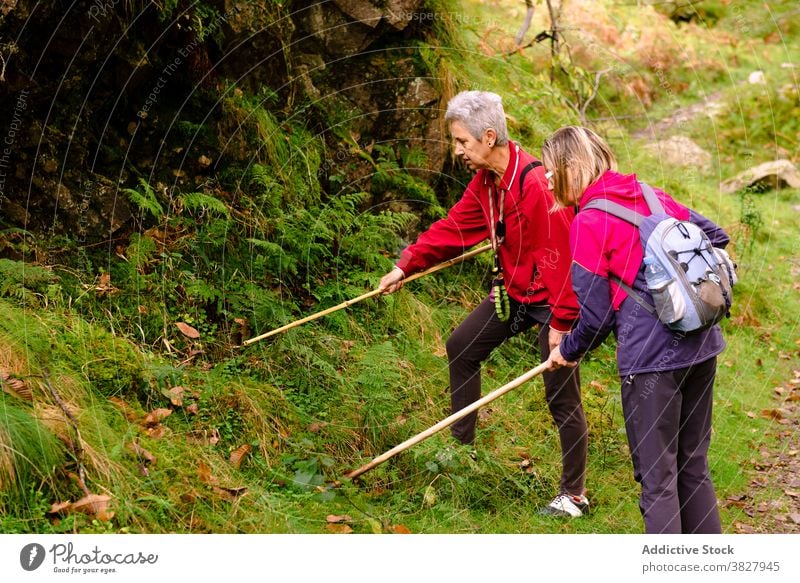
x=449, y=420
x=370, y=294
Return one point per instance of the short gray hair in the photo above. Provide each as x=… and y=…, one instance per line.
x=479, y=111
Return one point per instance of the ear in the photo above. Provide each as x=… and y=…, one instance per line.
x=490, y=137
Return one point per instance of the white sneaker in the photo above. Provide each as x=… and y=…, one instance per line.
x=567, y=505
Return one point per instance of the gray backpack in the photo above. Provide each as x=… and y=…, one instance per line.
x=689, y=279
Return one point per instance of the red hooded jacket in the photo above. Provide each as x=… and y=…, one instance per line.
x=535, y=254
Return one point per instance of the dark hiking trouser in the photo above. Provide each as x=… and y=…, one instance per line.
x=668, y=422
x=472, y=342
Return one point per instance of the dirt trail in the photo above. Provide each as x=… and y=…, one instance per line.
x=658, y=130
x=772, y=497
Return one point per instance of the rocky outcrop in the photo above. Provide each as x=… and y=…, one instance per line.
x=354, y=59
x=121, y=92
x=347, y=27
x=766, y=176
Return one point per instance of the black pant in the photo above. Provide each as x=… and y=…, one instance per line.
x=473, y=341
x=668, y=422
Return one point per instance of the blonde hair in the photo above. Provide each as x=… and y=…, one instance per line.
x=577, y=157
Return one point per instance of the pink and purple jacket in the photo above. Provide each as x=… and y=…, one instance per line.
x=535, y=254
x=604, y=245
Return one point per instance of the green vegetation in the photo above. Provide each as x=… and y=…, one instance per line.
x=123, y=372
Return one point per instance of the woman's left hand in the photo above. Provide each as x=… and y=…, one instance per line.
x=554, y=337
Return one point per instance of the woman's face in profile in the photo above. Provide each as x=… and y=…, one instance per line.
x=472, y=151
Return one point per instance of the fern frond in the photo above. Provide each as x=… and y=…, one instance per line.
x=194, y=201
x=145, y=199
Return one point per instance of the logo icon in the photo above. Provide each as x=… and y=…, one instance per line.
x=31, y=556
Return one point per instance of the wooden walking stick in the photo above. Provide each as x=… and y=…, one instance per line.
x=375, y=292
x=449, y=420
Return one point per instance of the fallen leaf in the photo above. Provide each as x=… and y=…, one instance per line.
x=104, y=285
x=187, y=330
x=204, y=473
x=16, y=386
x=335, y=518
x=599, y=386
x=751, y=415
x=175, y=395
x=399, y=529
x=141, y=452
x=738, y=501
x=339, y=528
x=94, y=505
x=774, y=414
x=157, y=416
x=230, y=494
x=317, y=426
x=238, y=455
x=791, y=493
x=156, y=432
x=126, y=410
x=193, y=409
x=57, y=507
x=795, y=516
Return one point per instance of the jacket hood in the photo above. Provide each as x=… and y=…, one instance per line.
x=620, y=188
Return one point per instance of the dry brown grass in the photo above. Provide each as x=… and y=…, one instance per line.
x=7, y=472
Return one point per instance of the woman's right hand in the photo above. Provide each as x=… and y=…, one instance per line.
x=555, y=361
x=392, y=281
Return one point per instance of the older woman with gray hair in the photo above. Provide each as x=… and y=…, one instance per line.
x=508, y=202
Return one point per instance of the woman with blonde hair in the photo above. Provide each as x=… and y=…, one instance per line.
x=667, y=377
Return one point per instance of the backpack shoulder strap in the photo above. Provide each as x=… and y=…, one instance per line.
x=615, y=209
x=652, y=199
x=524, y=173
x=632, y=294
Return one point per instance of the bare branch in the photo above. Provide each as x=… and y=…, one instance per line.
x=527, y=23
